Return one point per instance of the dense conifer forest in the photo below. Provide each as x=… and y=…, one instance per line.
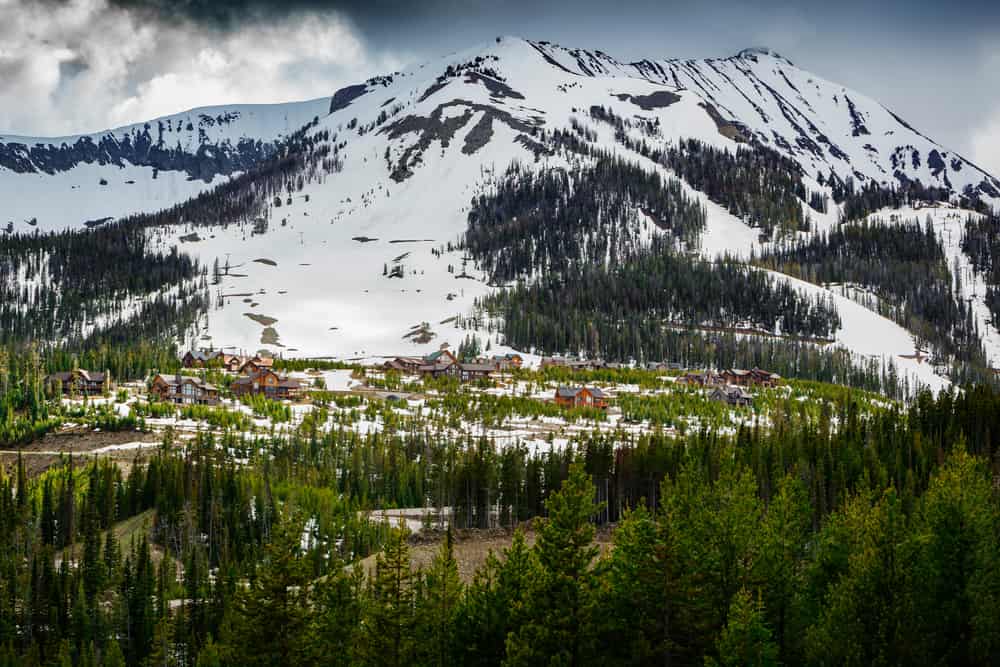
x=905, y=277
x=109, y=284
x=546, y=222
x=823, y=538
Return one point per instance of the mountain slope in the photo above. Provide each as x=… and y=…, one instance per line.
x=360, y=254
x=56, y=182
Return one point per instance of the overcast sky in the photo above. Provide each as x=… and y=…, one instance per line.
x=69, y=66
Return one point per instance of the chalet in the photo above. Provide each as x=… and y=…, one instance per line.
x=408, y=365
x=268, y=383
x=505, y=362
x=478, y=371
x=184, y=390
x=233, y=362
x=80, y=382
x=200, y=358
x=700, y=379
x=731, y=395
x=572, y=364
x=576, y=397
x=441, y=368
x=764, y=378
x=755, y=377
x=256, y=364
x=441, y=356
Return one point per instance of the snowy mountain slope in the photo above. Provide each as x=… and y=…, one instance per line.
x=407, y=153
x=948, y=223
x=55, y=182
x=823, y=126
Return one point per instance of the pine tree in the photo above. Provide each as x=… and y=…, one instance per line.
x=442, y=593
x=558, y=626
x=273, y=611
x=746, y=639
x=387, y=634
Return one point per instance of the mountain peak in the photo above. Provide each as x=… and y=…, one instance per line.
x=753, y=52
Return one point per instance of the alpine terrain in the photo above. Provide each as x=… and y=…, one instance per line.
x=477, y=194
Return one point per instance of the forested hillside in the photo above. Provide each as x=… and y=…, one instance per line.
x=855, y=532
x=905, y=274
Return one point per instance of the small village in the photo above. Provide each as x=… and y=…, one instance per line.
x=256, y=376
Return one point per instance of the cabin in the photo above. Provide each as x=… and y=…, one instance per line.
x=184, y=390
x=442, y=368
x=578, y=397
x=477, y=371
x=267, y=383
x=441, y=356
x=573, y=364
x=406, y=365
x=80, y=382
x=505, y=362
x=754, y=377
x=256, y=364
x=233, y=362
x=700, y=379
x=736, y=396
x=200, y=358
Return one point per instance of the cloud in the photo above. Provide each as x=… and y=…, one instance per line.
x=84, y=65
x=985, y=137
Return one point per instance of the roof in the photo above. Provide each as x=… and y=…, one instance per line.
x=478, y=368
x=572, y=392
x=737, y=371
x=204, y=355
x=90, y=376
x=176, y=380
x=440, y=366
x=434, y=356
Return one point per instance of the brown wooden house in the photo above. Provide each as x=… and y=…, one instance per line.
x=268, y=383
x=256, y=364
x=577, y=397
x=184, y=390
x=754, y=377
x=80, y=382
x=406, y=365
x=477, y=371
x=732, y=395
x=442, y=368
x=700, y=379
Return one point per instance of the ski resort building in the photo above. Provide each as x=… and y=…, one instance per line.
x=267, y=383
x=581, y=397
x=80, y=382
x=184, y=390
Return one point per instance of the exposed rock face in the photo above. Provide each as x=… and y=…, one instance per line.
x=146, y=147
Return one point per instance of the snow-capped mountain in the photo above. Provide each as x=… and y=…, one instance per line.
x=71, y=180
x=761, y=96
x=403, y=155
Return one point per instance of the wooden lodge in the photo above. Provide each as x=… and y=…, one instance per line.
x=267, y=383
x=476, y=371
x=404, y=365
x=442, y=368
x=754, y=377
x=256, y=364
x=215, y=358
x=504, y=362
x=577, y=397
x=735, y=396
x=184, y=390
x=701, y=379
x=80, y=382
